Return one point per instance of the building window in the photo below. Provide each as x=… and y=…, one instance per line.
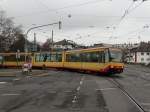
x=148, y=53
x=142, y=53
x=142, y=59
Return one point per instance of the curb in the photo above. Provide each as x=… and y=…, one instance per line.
x=5, y=74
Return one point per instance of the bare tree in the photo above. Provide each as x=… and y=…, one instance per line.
x=47, y=45
x=8, y=32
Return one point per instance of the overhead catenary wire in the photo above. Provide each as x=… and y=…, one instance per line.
x=61, y=8
x=123, y=16
x=86, y=4
x=127, y=11
x=41, y=3
x=136, y=32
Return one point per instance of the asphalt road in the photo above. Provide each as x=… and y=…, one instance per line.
x=64, y=91
x=136, y=80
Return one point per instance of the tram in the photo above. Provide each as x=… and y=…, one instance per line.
x=11, y=59
x=102, y=60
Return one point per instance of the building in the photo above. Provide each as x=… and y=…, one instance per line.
x=103, y=45
x=126, y=45
x=65, y=45
x=121, y=46
x=139, y=54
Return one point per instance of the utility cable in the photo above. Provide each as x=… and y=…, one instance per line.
x=61, y=8
x=127, y=11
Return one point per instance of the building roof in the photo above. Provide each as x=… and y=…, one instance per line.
x=93, y=48
x=102, y=45
x=144, y=47
x=64, y=42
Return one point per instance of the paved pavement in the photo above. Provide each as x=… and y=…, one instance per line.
x=136, y=80
x=64, y=91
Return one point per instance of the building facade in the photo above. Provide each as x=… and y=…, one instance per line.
x=140, y=54
x=65, y=45
x=126, y=45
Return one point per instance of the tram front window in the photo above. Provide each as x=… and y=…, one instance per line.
x=115, y=56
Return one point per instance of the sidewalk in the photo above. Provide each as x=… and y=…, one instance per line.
x=17, y=72
x=7, y=74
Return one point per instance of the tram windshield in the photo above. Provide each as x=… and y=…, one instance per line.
x=115, y=56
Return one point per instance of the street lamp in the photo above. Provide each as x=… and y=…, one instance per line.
x=32, y=28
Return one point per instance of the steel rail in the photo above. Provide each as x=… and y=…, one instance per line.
x=133, y=100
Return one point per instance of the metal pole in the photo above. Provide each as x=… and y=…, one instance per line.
x=26, y=35
x=52, y=41
x=34, y=43
x=25, y=47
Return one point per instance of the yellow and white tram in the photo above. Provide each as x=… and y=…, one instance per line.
x=102, y=60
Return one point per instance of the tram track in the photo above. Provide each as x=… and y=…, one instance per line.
x=121, y=88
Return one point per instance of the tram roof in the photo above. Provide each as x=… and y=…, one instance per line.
x=92, y=49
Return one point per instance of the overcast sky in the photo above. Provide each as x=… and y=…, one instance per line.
x=84, y=21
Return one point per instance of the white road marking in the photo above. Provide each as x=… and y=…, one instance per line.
x=74, y=99
x=81, y=82
x=3, y=82
x=105, y=89
x=10, y=94
x=16, y=79
x=78, y=88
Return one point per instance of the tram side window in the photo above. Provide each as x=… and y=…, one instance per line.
x=101, y=56
x=73, y=57
x=86, y=57
x=55, y=57
x=93, y=57
x=37, y=57
x=10, y=58
x=13, y=58
x=22, y=58
x=41, y=57
x=106, y=56
x=59, y=57
x=47, y=57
